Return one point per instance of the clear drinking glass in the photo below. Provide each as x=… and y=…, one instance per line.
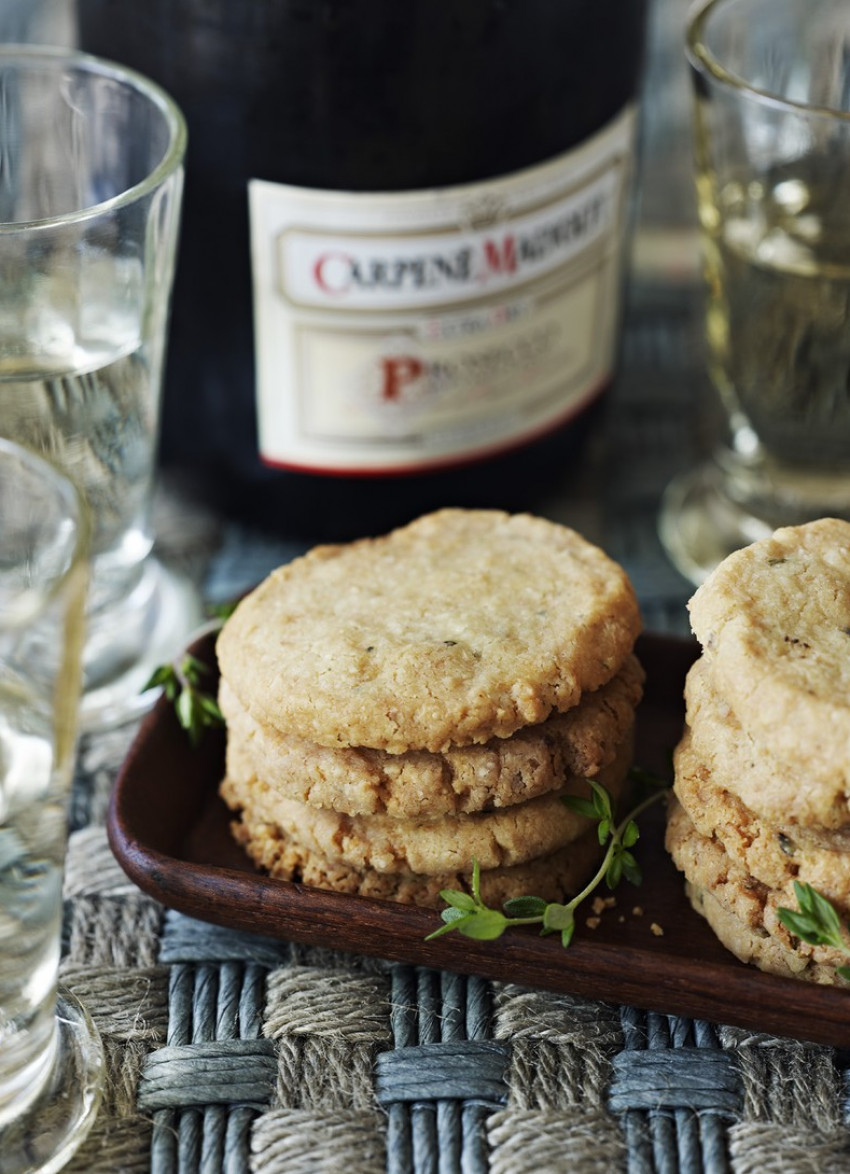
x=50, y=1055
x=91, y=175
x=772, y=133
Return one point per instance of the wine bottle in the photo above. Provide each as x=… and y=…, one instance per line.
x=401, y=265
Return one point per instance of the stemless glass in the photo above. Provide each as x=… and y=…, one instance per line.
x=772, y=135
x=92, y=173
x=50, y=1055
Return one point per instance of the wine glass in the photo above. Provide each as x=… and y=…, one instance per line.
x=50, y=1054
x=772, y=141
x=92, y=170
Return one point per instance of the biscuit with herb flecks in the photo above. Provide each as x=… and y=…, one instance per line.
x=742, y=911
x=766, y=852
x=761, y=813
x=463, y=626
x=554, y=877
x=814, y=811
x=496, y=839
x=403, y=709
x=418, y=784
x=774, y=623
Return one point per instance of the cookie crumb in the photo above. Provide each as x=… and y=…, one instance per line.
x=637, y=911
x=621, y=919
x=592, y=922
x=600, y=904
x=656, y=929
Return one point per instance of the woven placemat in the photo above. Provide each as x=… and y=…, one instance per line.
x=231, y=1052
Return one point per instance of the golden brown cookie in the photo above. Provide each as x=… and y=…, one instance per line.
x=755, y=945
x=463, y=626
x=774, y=621
x=758, y=848
x=416, y=784
x=554, y=878
x=496, y=839
x=741, y=910
x=808, y=809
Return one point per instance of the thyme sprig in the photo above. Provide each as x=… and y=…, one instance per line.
x=467, y=913
x=816, y=922
x=181, y=681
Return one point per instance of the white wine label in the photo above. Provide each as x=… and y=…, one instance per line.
x=405, y=331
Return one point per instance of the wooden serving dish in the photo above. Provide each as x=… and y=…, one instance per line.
x=169, y=831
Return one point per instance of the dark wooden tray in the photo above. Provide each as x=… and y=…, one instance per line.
x=169, y=831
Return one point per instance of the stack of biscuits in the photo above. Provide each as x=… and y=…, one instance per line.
x=400, y=707
x=762, y=774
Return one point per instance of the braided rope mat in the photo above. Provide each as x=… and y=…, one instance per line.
x=229, y=1052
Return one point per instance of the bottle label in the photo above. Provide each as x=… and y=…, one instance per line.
x=398, y=332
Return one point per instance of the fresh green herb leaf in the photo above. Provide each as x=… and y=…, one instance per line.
x=193, y=669
x=186, y=710
x=210, y=708
x=458, y=899
x=579, y=806
x=182, y=682
x=820, y=910
x=614, y=871
x=631, y=869
x=816, y=921
x=484, y=925
x=524, y=906
x=161, y=676
x=601, y=801
x=453, y=914
x=476, y=882
x=631, y=834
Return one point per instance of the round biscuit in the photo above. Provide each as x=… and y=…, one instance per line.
x=463, y=626
x=760, y=948
x=811, y=809
x=554, y=878
x=741, y=911
x=774, y=620
x=759, y=848
x=416, y=784
x=496, y=839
